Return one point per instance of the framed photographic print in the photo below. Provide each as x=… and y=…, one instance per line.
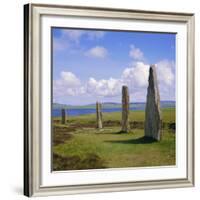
x=108, y=100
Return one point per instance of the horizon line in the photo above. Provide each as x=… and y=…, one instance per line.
x=108, y=102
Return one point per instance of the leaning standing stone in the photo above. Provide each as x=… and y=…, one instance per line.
x=153, y=121
x=125, y=109
x=63, y=114
x=99, y=115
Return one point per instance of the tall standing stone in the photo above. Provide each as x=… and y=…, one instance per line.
x=125, y=109
x=63, y=114
x=99, y=115
x=153, y=121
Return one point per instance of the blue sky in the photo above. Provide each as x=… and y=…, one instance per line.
x=91, y=65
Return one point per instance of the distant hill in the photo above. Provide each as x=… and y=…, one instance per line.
x=105, y=105
x=164, y=104
x=60, y=106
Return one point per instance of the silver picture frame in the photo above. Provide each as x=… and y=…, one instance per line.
x=32, y=93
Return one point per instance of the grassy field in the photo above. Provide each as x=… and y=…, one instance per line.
x=79, y=145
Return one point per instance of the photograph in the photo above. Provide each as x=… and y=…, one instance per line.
x=113, y=99
x=108, y=99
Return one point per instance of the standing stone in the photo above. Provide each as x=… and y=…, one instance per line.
x=153, y=121
x=63, y=114
x=99, y=115
x=125, y=109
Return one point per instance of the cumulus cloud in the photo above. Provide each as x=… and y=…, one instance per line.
x=135, y=77
x=97, y=52
x=69, y=79
x=165, y=71
x=136, y=53
x=139, y=73
x=105, y=88
x=67, y=85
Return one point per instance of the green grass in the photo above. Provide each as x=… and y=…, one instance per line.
x=168, y=115
x=88, y=147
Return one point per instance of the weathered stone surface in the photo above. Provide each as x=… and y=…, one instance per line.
x=153, y=120
x=125, y=109
x=99, y=115
x=63, y=116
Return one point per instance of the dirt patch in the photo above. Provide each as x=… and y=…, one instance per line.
x=72, y=127
x=91, y=161
x=63, y=129
x=111, y=123
x=138, y=125
x=85, y=125
x=60, y=138
x=61, y=134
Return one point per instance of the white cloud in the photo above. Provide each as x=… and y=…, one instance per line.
x=138, y=73
x=60, y=44
x=135, y=77
x=67, y=85
x=106, y=88
x=97, y=52
x=69, y=37
x=75, y=35
x=70, y=79
x=136, y=53
x=165, y=72
x=72, y=35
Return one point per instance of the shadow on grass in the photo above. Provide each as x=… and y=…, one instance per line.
x=141, y=140
x=121, y=132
